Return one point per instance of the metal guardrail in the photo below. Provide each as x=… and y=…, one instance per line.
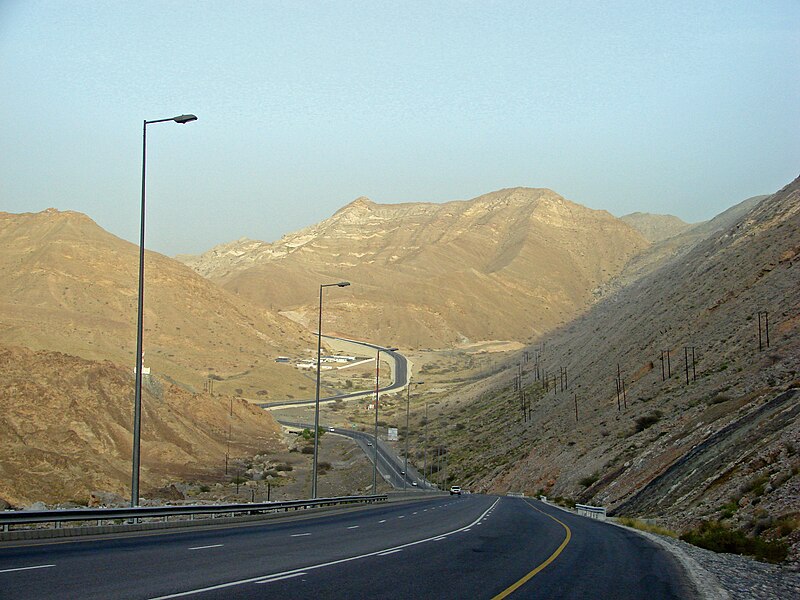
x=27, y=517
x=593, y=512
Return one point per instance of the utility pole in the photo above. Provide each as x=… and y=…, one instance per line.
x=686, y=363
x=575, y=396
x=425, y=461
x=765, y=315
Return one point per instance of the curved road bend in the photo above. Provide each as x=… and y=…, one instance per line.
x=390, y=465
x=445, y=547
x=399, y=379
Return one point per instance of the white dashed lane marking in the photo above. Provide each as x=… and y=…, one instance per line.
x=26, y=568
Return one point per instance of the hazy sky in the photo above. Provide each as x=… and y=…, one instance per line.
x=676, y=107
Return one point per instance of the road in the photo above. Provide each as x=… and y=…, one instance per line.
x=445, y=547
x=399, y=379
x=390, y=466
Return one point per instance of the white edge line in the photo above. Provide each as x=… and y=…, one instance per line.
x=205, y=547
x=354, y=526
x=299, y=534
x=26, y=568
x=271, y=579
x=321, y=565
x=389, y=552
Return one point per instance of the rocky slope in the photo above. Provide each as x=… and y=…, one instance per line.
x=66, y=429
x=655, y=228
x=72, y=287
x=431, y=275
x=724, y=445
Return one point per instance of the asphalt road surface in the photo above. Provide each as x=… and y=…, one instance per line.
x=399, y=379
x=471, y=546
x=390, y=466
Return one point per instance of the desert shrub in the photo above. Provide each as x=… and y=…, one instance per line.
x=646, y=421
x=719, y=399
x=323, y=467
x=587, y=481
x=786, y=525
x=645, y=526
x=729, y=509
x=284, y=467
x=307, y=450
x=756, y=485
x=714, y=536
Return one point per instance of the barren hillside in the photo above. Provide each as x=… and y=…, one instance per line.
x=723, y=445
x=509, y=265
x=655, y=228
x=66, y=422
x=72, y=287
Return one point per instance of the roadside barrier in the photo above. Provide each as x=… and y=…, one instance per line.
x=135, y=518
x=593, y=512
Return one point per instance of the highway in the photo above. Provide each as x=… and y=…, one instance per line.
x=471, y=546
x=399, y=379
x=390, y=466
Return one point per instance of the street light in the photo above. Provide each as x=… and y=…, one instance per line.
x=408, y=412
x=316, y=401
x=377, y=390
x=137, y=403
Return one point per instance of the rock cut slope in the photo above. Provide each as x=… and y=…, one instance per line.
x=511, y=264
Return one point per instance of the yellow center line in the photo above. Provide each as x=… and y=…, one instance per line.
x=550, y=559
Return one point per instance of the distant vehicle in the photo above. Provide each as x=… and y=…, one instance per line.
x=414, y=483
x=369, y=443
x=331, y=429
x=455, y=489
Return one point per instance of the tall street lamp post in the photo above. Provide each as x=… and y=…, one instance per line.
x=408, y=412
x=316, y=398
x=377, y=391
x=137, y=402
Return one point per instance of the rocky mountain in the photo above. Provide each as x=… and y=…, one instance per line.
x=508, y=265
x=712, y=436
x=671, y=247
x=71, y=287
x=655, y=228
x=66, y=429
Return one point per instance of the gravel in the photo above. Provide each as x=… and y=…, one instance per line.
x=729, y=576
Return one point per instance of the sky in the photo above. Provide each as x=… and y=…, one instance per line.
x=681, y=108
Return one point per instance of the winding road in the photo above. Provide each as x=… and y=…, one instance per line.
x=471, y=546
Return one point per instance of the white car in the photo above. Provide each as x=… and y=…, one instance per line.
x=455, y=489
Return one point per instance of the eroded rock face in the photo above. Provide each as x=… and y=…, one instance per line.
x=108, y=499
x=506, y=265
x=65, y=429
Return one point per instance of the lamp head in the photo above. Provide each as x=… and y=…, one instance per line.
x=184, y=118
x=343, y=283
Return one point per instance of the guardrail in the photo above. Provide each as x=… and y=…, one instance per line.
x=593, y=512
x=9, y=519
